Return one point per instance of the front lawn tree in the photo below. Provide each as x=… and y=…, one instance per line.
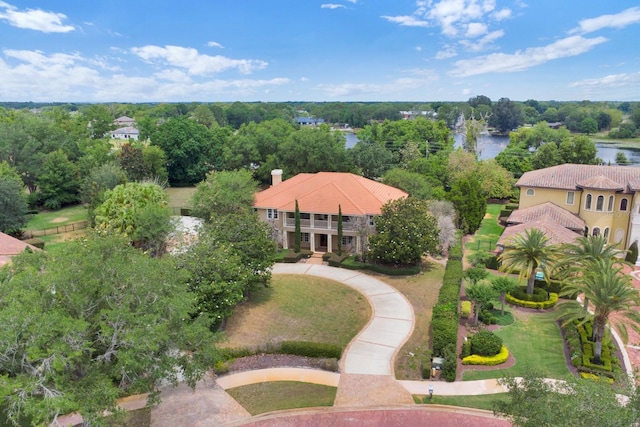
x=502, y=285
x=96, y=321
x=526, y=253
x=469, y=201
x=405, y=232
x=13, y=205
x=224, y=193
x=481, y=295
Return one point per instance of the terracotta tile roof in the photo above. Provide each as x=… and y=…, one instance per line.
x=10, y=246
x=554, y=231
x=548, y=211
x=322, y=192
x=572, y=177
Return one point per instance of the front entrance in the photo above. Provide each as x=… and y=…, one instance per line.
x=322, y=242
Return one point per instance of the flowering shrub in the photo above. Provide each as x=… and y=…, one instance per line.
x=499, y=358
x=553, y=299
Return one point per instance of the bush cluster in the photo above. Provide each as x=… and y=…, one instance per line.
x=539, y=294
x=581, y=349
x=486, y=343
x=336, y=260
x=465, y=309
x=444, y=321
x=499, y=358
x=553, y=299
x=352, y=264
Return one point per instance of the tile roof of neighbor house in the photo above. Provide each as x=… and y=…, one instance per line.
x=126, y=130
x=547, y=210
x=554, y=231
x=573, y=177
x=10, y=246
x=322, y=192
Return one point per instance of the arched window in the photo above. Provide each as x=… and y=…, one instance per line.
x=587, y=202
x=619, y=235
x=606, y=234
x=610, y=204
x=596, y=231
x=530, y=192
x=600, y=203
x=623, y=204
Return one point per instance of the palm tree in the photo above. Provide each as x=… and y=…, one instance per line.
x=527, y=253
x=580, y=255
x=610, y=291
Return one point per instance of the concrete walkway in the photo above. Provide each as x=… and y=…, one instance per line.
x=373, y=350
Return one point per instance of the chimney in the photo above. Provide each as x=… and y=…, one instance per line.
x=276, y=177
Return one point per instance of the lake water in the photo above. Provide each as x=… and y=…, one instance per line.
x=490, y=146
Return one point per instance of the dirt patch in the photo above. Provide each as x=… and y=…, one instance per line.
x=59, y=219
x=264, y=361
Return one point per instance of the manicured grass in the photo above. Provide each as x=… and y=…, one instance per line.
x=483, y=401
x=534, y=340
x=274, y=396
x=54, y=241
x=422, y=292
x=300, y=308
x=487, y=235
x=48, y=219
x=179, y=197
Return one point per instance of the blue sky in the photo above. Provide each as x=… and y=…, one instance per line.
x=307, y=50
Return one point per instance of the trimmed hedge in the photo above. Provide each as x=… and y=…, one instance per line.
x=444, y=320
x=311, y=349
x=336, y=260
x=350, y=263
x=35, y=241
x=498, y=359
x=553, y=299
x=539, y=295
x=486, y=343
x=581, y=348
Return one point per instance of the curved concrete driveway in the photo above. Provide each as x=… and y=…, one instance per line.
x=373, y=350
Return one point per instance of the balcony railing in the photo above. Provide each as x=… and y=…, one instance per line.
x=319, y=224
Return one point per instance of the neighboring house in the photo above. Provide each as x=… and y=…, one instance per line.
x=124, y=121
x=319, y=195
x=125, y=133
x=573, y=200
x=10, y=247
x=309, y=121
x=412, y=115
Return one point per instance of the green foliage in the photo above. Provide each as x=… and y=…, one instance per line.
x=224, y=193
x=553, y=299
x=59, y=182
x=481, y=294
x=390, y=270
x=100, y=179
x=373, y=159
x=13, y=205
x=465, y=309
x=534, y=402
x=538, y=294
x=475, y=274
x=103, y=321
x=485, y=343
x=632, y=254
x=405, y=231
x=36, y=241
x=589, y=126
x=470, y=203
x=121, y=211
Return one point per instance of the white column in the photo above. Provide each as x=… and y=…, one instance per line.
x=285, y=239
x=329, y=243
x=312, y=241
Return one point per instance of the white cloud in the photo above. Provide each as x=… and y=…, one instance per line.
x=502, y=14
x=448, y=52
x=619, y=20
x=522, y=60
x=34, y=19
x=478, y=45
x=610, y=81
x=332, y=6
x=451, y=14
x=387, y=90
x=475, y=29
x=40, y=77
x=215, y=44
x=406, y=21
x=353, y=1
x=194, y=62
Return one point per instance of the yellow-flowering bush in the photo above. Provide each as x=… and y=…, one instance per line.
x=553, y=299
x=465, y=309
x=499, y=358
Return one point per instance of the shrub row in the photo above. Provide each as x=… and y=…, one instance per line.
x=553, y=299
x=352, y=264
x=293, y=257
x=336, y=260
x=444, y=321
x=499, y=358
x=581, y=348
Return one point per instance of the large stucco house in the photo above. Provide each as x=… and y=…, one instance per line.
x=319, y=195
x=567, y=201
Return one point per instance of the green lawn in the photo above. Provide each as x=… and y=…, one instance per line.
x=298, y=308
x=64, y=216
x=534, y=339
x=179, y=197
x=483, y=401
x=274, y=396
x=487, y=235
